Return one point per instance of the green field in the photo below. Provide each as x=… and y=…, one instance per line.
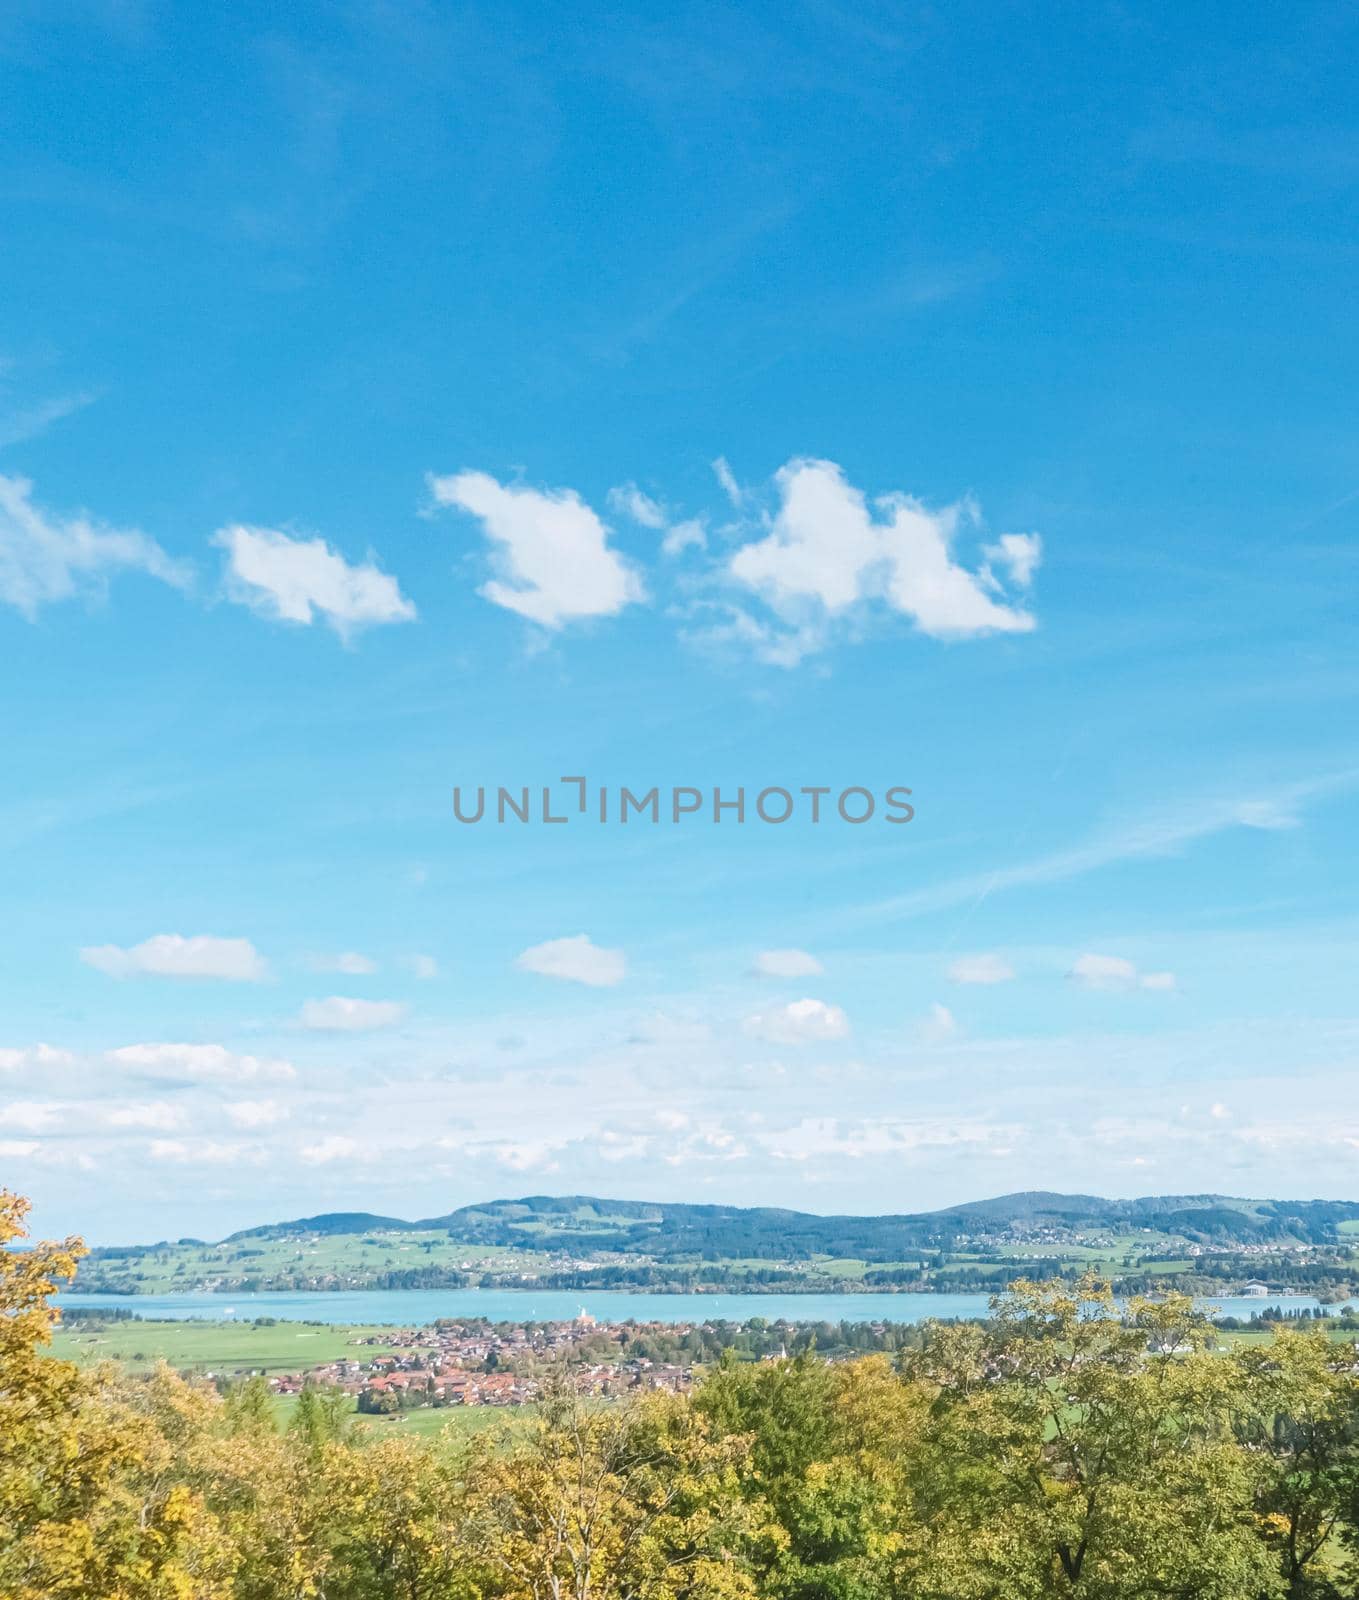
x=236, y=1350
x=228, y=1349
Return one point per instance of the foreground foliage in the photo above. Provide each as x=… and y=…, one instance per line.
x=1071, y=1447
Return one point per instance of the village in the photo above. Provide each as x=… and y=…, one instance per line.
x=475, y=1363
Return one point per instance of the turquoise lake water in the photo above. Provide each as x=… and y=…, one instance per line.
x=413, y=1307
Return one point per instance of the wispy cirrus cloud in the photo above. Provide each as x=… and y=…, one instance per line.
x=1159, y=835
x=19, y=423
x=48, y=556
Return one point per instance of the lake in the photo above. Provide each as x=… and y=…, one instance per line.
x=414, y=1307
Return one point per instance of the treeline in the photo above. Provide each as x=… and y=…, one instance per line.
x=1065, y=1449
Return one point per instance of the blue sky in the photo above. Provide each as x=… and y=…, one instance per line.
x=402, y=397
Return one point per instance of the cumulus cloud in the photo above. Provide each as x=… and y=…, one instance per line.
x=294, y=580
x=199, y=1063
x=551, y=552
x=171, y=955
x=46, y=556
x=828, y=552
x=334, y=1147
x=341, y=1014
x=157, y=1116
x=577, y=959
x=18, y=1149
x=255, y=1113
x=351, y=963
x=787, y=964
x=30, y=1116
x=629, y=501
x=987, y=968
x=799, y=1022
x=814, y=1137
x=38, y=1055
x=1114, y=972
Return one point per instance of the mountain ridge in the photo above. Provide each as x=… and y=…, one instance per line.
x=669, y=1227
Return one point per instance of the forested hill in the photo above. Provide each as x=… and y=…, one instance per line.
x=664, y=1231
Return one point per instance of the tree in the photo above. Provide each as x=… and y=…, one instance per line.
x=1298, y=1407
x=831, y=1456
x=1080, y=1448
x=625, y=1502
x=91, y=1504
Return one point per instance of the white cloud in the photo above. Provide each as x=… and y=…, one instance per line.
x=1103, y=972
x=987, y=968
x=199, y=1152
x=827, y=552
x=350, y=962
x=199, y=1063
x=18, y=1149
x=819, y=1136
x=340, y=1014
x=291, y=580
x=551, y=550
x=1114, y=972
x=787, y=964
x=423, y=967
x=38, y=1055
x=1020, y=555
x=939, y=1025
x=687, y=535
x=518, y=1155
x=629, y=501
x=255, y=1113
x=799, y=1022
x=1158, y=980
x=156, y=1116
x=30, y=1116
x=171, y=955
x=334, y=1147
x=727, y=478
x=1142, y=837
x=18, y=424
x=45, y=556
x=577, y=959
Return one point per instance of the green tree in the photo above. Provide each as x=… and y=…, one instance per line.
x=1083, y=1450
x=1298, y=1407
